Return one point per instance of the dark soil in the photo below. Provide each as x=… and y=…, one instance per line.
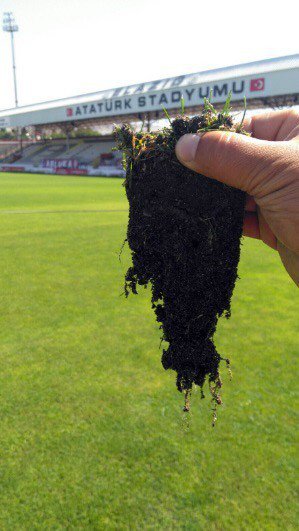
x=184, y=233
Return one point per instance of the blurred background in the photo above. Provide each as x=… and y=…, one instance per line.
x=92, y=430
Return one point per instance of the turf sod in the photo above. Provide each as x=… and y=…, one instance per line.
x=91, y=434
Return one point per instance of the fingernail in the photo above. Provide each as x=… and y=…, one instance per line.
x=186, y=147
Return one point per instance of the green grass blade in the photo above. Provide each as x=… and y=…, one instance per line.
x=226, y=108
x=166, y=114
x=182, y=105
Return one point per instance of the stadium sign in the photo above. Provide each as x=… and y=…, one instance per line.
x=257, y=81
x=168, y=98
x=72, y=164
x=135, y=99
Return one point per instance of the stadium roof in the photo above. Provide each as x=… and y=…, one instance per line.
x=257, y=81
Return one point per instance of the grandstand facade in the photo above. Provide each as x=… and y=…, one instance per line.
x=269, y=83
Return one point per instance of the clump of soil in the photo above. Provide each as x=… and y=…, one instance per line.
x=184, y=233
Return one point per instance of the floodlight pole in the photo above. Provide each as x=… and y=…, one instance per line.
x=14, y=67
x=10, y=27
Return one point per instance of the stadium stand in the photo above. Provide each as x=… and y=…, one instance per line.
x=92, y=155
x=84, y=151
x=8, y=148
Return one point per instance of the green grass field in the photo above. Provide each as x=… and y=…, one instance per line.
x=92, y=435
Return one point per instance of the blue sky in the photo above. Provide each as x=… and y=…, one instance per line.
x=68, y=47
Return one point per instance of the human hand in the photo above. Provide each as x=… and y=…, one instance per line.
x=266, y=167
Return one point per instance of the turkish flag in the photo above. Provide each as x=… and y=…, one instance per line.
x=257, y=84
x=69, y=112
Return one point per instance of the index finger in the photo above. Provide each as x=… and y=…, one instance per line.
x=273, y=125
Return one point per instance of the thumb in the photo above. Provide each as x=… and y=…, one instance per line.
x=232, y=158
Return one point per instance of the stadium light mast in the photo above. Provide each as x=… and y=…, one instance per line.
x=11, y=27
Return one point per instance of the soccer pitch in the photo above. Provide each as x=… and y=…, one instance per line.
x=92, y=435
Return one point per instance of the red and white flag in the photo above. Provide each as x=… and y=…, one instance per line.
x=257, y=84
